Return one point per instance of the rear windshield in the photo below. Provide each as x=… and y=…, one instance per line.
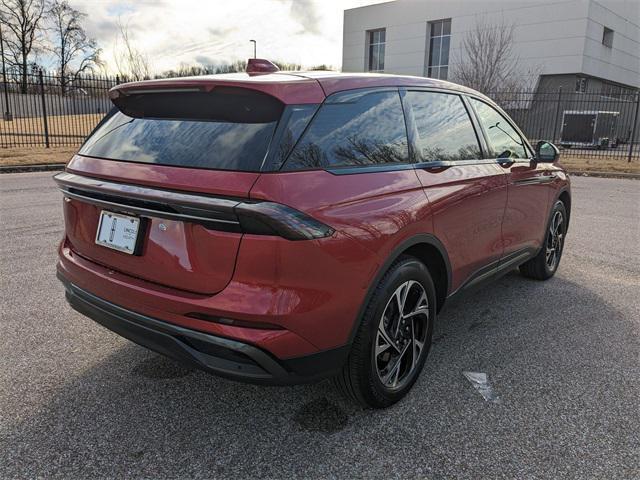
x=227, y=129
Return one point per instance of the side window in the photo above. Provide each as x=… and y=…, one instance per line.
x=365, y=129
x=445, y=131
x=294, y=120
x=503, y=139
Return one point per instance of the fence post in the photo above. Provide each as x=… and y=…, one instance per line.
x=635, y=126
x=44, y=109
x=7, y=113
x=555, y=123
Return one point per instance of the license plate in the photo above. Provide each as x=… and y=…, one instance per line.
x=119, y=232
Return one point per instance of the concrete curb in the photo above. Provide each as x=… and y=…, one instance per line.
x=36, y=167
x=581, y=173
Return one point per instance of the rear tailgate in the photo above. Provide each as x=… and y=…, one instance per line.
x=179, y=162
x=188, y=255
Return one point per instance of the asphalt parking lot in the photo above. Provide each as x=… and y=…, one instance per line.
x=77, y=401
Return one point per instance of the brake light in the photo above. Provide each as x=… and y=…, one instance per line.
x=268, y=218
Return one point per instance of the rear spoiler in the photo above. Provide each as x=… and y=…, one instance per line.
x=222, y=103
x=286, y=88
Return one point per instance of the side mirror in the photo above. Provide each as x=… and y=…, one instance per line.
x=546, y=152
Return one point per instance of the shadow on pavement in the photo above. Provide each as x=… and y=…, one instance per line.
x=136, y=413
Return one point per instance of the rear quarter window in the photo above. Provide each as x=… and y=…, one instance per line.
x=365, y=129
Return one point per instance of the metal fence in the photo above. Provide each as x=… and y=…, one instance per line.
x=40, y=113
x=582, y=124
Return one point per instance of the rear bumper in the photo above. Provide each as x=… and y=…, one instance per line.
x=222, y=356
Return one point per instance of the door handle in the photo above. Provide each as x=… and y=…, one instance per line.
x=505, y=162
x=434, y=167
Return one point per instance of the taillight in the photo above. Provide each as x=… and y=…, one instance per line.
x=268, y=218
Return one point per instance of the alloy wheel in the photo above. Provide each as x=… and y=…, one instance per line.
x=555, y=239
x=401, y=335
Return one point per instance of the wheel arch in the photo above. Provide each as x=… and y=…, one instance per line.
x=438, y=267
x=430, y=251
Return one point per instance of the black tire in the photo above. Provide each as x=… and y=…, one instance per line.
x=360, y=378
x=540, y=267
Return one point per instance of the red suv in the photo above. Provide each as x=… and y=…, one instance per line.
x=286, y=227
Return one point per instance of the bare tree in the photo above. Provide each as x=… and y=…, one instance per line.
x=22, y=19
x=75, y=52
x=287, y=66
x=131, y=63
x=324, y=67
x=486, y=60
x=236, y=66
x=185, y=70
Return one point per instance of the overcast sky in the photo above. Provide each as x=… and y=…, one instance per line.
x=208, y=32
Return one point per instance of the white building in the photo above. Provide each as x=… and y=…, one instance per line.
x=588, y=45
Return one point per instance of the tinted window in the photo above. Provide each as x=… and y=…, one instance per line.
x=294, y=120
x=222, y=104
x=215, y=145
x=503, y=138
x=365, y=129
x=444, y=128
x=227, y=130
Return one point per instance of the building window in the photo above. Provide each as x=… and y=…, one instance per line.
x=581, y=85
x=609, y=90
x=607, y=37
x=439, y=40
x=376, y=40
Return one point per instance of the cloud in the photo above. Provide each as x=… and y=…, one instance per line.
x=205, y=60
x=220, y=31
x=305, y=12
x=175, y=32
x=116, y=9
